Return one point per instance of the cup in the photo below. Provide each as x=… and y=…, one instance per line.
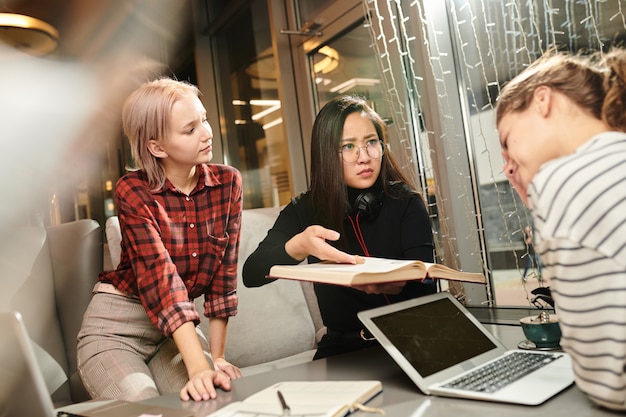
x=543, y=330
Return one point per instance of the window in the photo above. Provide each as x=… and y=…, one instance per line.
x=253, y=128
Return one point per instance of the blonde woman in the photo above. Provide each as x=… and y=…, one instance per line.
x=180, y=218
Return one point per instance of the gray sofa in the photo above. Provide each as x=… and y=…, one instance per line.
x=47, y=274
x=277, y=325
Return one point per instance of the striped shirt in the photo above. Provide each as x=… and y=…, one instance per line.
x=579, y=207
x=177, y=247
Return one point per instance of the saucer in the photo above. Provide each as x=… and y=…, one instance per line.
x=528, y=345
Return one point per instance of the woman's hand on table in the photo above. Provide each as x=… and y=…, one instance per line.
x=229, y=369
x=201, y=386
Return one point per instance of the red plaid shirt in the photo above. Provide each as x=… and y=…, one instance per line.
x=177, y=247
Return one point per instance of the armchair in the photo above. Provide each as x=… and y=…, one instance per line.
x=47, y=275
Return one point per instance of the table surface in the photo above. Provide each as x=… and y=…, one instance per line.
x=400, y=397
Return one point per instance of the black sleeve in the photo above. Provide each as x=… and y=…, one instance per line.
x=416, y=235
x=271, y=251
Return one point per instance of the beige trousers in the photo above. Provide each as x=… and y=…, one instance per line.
x=121, y=355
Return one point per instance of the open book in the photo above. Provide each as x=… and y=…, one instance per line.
x=372, y=271
x=305, y=398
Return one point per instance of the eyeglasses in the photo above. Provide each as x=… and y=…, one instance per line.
x=375, y=149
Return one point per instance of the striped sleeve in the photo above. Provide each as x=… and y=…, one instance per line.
x=579, y=207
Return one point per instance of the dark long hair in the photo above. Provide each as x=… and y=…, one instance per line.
x=328, y=189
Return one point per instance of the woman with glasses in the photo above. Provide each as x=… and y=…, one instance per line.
x=359, y=203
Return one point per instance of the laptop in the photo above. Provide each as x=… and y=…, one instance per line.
x=23, y=390
x=438, y=343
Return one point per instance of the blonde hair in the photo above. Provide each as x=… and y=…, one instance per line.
x=594, y=82
x=146, y=116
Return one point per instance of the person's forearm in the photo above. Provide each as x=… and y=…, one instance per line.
x=217, y=333
x=188, y=345
x=217, y=336
x=258, y=264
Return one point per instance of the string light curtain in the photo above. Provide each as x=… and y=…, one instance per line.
x=443, y=63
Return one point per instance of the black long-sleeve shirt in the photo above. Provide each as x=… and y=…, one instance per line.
x=402, y=230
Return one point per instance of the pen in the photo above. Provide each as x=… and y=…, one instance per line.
x=283, y=403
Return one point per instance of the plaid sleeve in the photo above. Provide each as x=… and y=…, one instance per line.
x=221, y=297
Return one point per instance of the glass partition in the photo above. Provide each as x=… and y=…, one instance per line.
x=460, y=53
x=347, y=64
x=308, y=9
x=433, y=69
x=252, y=126
x=494, y=41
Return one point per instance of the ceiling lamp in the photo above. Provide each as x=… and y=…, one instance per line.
x=327, y=59
x=28, y=34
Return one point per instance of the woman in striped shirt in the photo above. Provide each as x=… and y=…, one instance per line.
x=561, y=124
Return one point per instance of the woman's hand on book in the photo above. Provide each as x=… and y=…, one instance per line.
x=390, y=288
x=312, y=241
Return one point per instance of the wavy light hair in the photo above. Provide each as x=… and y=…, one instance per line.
x=596, y=83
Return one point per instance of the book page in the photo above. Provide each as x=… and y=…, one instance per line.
x=371, y=265
x=373, y=270
x=439, y=271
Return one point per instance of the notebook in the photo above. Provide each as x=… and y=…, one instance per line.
x=435, y=340
x=305, y=399
x=23, y=390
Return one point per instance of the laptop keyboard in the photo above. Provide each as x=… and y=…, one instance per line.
x=502, y=372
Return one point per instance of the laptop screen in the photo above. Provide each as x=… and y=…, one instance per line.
x=433, y=336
